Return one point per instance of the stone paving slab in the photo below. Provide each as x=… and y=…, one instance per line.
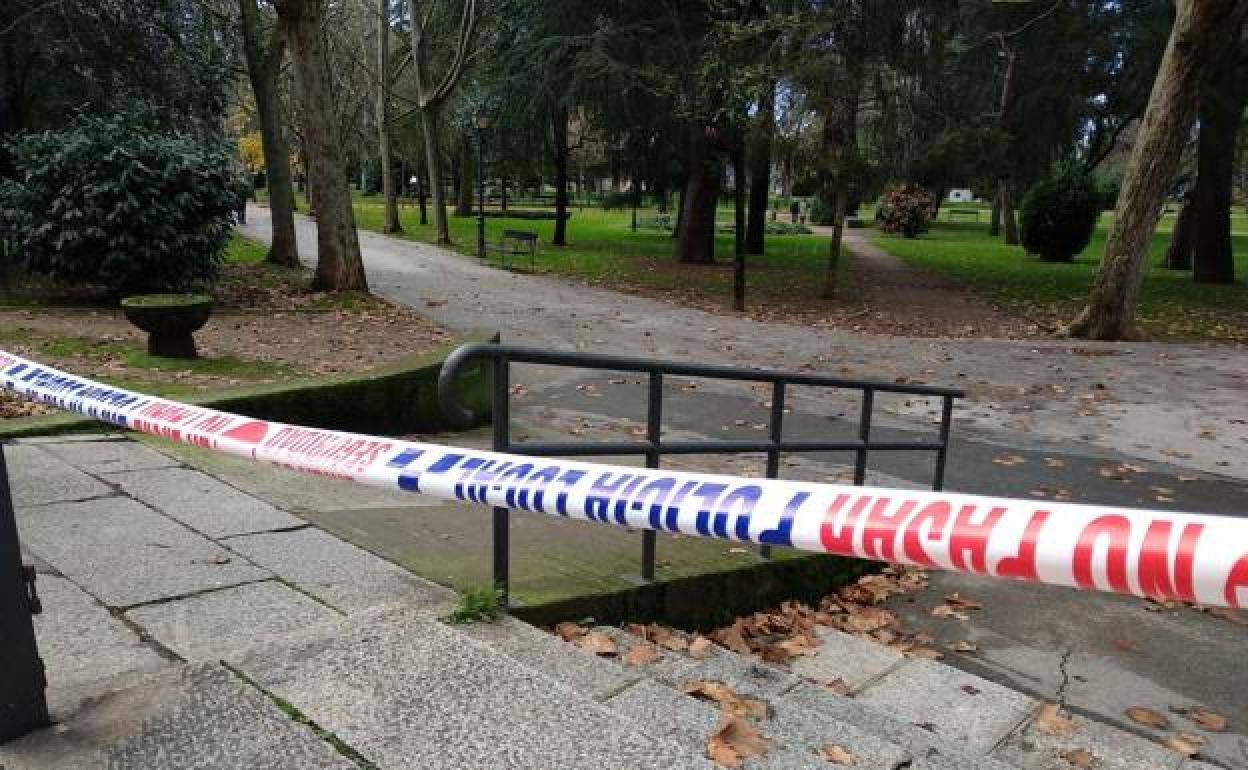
x=848, y=658
x=124, y=553
x=109, y=456
x=336, y=572
x=552, y=656
x=83, y=645
x=1112, y=749
x=203, y=503
x=408, y=693
x=37, y=478
x=931, y=750
x=212, y=625
x=201, y=718
x=951, y=703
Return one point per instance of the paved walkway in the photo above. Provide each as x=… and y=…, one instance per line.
x=1181, y=405
x=191, y=625
x=1128, y=425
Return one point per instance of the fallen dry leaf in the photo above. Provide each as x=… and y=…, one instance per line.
x=1125, y=645
x=838, y=686
x=700, y=647
x=733, y=640
x=641, y=655
x=727, y=698
x=964, y=646
x=837, y=755
x=1210, y=720
x=1081, y=758
x=1009, y=460
x=1181, y=746
x=927, y=653
x=1051, y=721
x=735, y=739
x=1147, y=717
x=1193, y=738
x=570, y=631
x=598, y=643
x=1228, y=614
x=962, y=603
x=946, y=611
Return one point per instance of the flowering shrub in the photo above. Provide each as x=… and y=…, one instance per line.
x=906, y=209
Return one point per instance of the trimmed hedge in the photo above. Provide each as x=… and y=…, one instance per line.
x=390, y=400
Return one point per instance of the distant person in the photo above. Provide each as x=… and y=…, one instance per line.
x=795, y=209
x=804, y=209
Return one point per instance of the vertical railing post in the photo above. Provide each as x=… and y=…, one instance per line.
x=654, y=434
x=864, y=435
x=501, y=418
x=777, y=436
x=23, y=706
x=942, y=454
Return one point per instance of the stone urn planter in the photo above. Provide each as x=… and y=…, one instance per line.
x=169, y=320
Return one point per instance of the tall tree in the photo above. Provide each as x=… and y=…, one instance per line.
x=264, y=65
x=1110, y=312
x=431, y=97
x=391, y=223
x=1222, y=100
x=759, y=164
x=339, y=265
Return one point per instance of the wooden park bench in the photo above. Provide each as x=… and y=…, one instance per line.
x=514, y=243
x=970, y=213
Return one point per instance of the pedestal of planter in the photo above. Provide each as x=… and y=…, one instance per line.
x=170, y=321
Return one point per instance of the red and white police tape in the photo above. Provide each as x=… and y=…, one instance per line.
x=1191, y=557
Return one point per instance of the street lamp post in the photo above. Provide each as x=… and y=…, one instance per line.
x=482, y=123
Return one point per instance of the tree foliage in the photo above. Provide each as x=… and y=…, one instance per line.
x=115, y=203
x=1058, y=214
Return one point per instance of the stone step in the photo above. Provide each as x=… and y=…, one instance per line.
x=405, y=691
x=804, y=717
x=901, y=712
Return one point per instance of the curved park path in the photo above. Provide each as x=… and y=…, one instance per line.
x=1182, y=405
x=1152, y=425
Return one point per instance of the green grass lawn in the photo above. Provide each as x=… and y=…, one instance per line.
x=1171, y=304
x=603, y=250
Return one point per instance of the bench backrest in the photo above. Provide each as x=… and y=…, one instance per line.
x=520, y=235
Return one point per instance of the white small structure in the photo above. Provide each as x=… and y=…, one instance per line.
x=960, y=195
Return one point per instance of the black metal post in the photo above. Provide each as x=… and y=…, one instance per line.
x=502, y=517
x=864, y=435
x=777, y=437
x=942, y=454
x=654, y=430
x=23, y=706
x=480, y=195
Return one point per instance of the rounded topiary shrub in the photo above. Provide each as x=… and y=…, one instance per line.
x=112, y=204
x=1058, y=215
x=906, y=209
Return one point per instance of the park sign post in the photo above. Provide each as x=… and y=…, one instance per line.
x=1163, y=555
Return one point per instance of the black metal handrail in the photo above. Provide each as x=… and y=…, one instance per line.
x=653, y=447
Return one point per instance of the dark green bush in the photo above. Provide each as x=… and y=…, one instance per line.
x=111, y=204
x=1058, y=214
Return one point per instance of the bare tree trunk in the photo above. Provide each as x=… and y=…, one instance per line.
x=994, y=222
x=840, y=139
x=559, y=131
x=420, y=197
x=429, y=120
x=264, y=69
x=738, y=232
x=760, y=171
x=1005, y=123
x=467, y=177
x=391, y=223
x=339, y=265
x=696, y=242
x=1110, y=313
x=1222, y=100
x=1007, y=212
x=1182, y=240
